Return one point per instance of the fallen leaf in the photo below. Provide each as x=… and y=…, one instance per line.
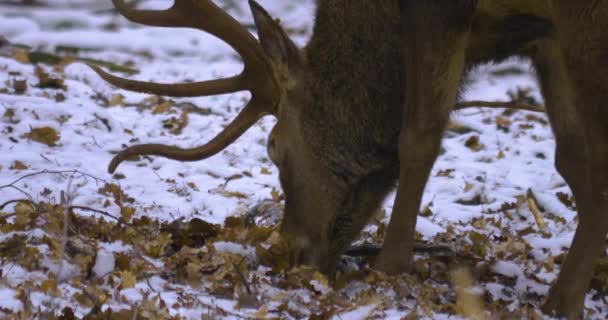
x=18, y=165
x=46, y=80
x=276, y=195
x=127, y=279
x=126, y=213
x=21, y=56
x=163, y=107
x=116, y=100
x=503, y=123
x=20, y=86
x=473, y=143
x=45, y=135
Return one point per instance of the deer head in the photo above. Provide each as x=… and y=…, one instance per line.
x=274, y=70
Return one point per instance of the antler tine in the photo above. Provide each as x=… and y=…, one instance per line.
x=256, y=77
x=246, y=118
x=159, y=18
x=194, y=89
x=204, y=15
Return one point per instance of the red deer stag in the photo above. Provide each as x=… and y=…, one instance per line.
x=376, y=79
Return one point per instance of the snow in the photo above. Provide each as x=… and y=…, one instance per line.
x=363, y=312
x=9, y=301
x=104, y=263
x=162, y=188
x=236, y=248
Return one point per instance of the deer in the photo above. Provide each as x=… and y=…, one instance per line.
x=376, y=79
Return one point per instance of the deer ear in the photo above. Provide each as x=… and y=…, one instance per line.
x=273, y=38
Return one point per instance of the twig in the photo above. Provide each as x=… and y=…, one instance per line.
x=13, y=201
x=242, y=277
x=372, y=250
x=499, y=104
x=12, y=184
x=104, y=121
x=222, y=310
x=45, y=158
x=66, y=199
x=20, y=190
x=150, y=285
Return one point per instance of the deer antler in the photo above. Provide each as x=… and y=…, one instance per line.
x=257, y=76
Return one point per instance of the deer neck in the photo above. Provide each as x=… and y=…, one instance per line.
x=356, y=84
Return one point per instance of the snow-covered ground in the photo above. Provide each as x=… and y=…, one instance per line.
x=494, y=165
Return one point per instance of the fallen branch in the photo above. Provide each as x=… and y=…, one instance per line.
x=372, y=250
x=499, y=104
x=532, y=204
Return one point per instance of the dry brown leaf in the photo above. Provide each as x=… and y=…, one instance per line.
x=503, y=123
x=21, y=56
x=50, y=286
x=20, y=86
x=474, y=144
x=192, y=186
x=163, y=107
x=276, y=195
x=18, y=165
x=116, y=100
x=45, y=135
x=261, y=314
x=46, y=80
x=566, y=199
x=127, y=279
x=501, y=155
x=126, y=213
x=23, y=213
x=177, y=125
x=228, y=194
